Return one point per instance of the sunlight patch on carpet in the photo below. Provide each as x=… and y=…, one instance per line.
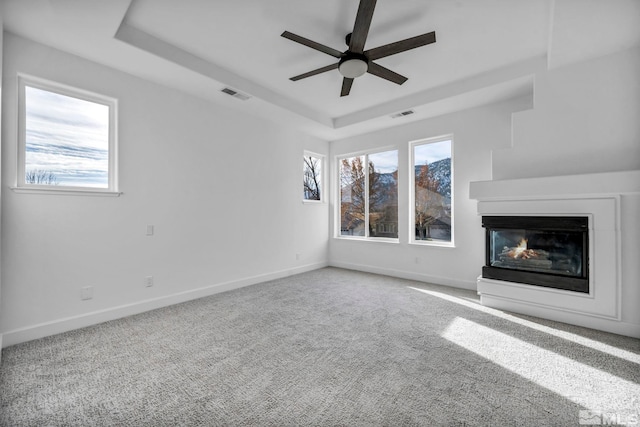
x=587, y=342
x=580, y=383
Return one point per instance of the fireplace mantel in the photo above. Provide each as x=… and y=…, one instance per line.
x=597, y=196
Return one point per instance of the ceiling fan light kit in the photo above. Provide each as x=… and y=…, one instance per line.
x=356, y=61
x=353, y=66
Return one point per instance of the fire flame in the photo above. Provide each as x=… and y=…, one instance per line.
x=522, y=252
x=519, y=250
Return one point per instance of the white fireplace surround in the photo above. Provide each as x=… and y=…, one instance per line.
x=609, y=305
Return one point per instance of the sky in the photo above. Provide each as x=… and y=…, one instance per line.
x=385, y=162
x=68, y=137
x=431, y=152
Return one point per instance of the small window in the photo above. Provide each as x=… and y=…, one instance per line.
x=432, y=191
x=66, y=138
x=369, y=195
x=312, y=177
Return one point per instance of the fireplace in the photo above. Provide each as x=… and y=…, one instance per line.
x=607, y=206
x=548, y=251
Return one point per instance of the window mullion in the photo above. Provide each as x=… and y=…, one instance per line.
x=366, y=195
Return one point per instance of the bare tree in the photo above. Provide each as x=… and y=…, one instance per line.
x=311, y=178
x=40, y=176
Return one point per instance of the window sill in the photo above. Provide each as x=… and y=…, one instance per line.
x=313, y=202
x=432, y=243
x=65, y=192
x=368, y=239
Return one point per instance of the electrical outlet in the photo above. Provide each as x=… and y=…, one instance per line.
x=148, y=281
x=417, y=260
x=149, y=230
x=297, y=257
x=86, y=293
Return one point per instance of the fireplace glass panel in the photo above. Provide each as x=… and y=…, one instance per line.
x=543, y=251
x=539, y=251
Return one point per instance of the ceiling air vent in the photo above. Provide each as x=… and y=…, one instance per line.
x=236, y=94
x=404, y=113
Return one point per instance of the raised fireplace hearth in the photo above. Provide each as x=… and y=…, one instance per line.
x=549, y=251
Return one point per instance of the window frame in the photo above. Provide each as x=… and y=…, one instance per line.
x=412, y=179
x=323, y=187
x=21, y=186
x=338, y=197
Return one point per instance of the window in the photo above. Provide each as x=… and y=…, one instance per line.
x=312, y=177
x=431, y=191
x=66, y=138
x=369, y=195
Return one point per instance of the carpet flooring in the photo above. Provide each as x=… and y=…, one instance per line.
x=330, y=347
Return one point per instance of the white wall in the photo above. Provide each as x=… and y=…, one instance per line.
x=222, y=188
x=584, y=120
x=476, y=132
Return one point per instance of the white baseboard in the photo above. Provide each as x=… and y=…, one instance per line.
x=42, y=330
x=401, y=274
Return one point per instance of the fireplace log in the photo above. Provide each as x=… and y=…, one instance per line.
x=544, y=264
x=518, y=253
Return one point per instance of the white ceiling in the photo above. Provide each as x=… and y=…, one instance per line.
x=486, y=50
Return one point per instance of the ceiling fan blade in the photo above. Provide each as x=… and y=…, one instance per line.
x=313, y=45
x=346, y=86
x=314, y=72
x=385, y=73
x=401, y=46
x=361, y=27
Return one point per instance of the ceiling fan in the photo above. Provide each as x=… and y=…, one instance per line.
x=356, y=61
